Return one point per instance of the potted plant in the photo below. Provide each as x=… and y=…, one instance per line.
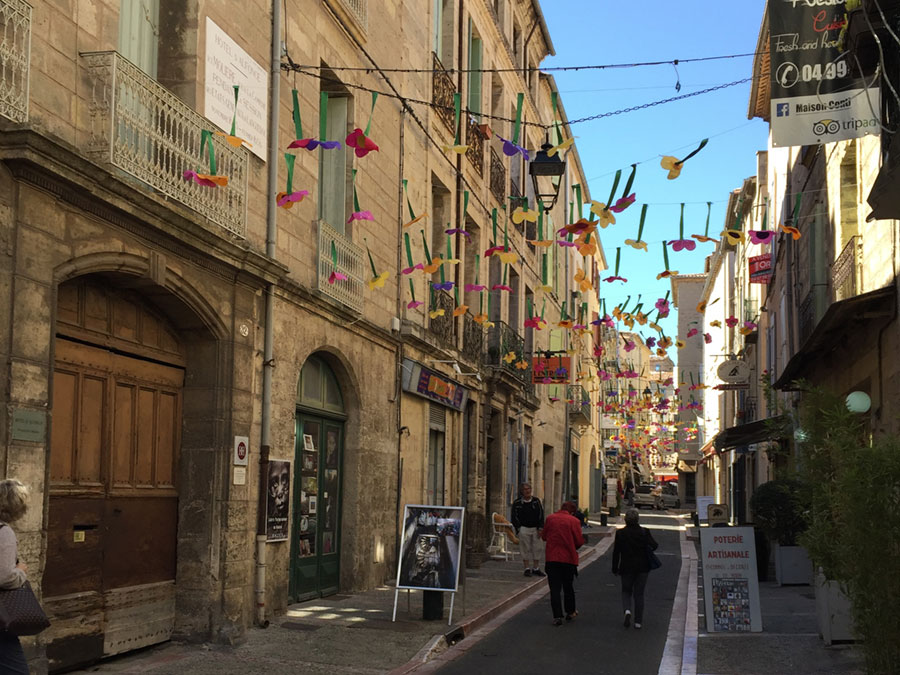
x=780, y=507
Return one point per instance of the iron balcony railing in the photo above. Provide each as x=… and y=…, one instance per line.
x=359, y=9
x=846, y=270
x=473, y=339
x=444, y=326
x=475, y=141
x=140, y=127
x=578, y=403
x=498, y=177
x=15, y=55
x=505, y=349
x=348, y=292
x=442, y=90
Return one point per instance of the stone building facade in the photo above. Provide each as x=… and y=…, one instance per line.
x=210, y=427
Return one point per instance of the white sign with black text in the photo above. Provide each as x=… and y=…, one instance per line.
x=730, y=584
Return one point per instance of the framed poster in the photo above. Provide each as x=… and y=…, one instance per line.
x=278, y=497
x=430, y=547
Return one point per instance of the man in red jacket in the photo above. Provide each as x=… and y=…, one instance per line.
x=562, y=532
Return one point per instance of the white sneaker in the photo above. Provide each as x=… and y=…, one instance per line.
x=637, y=626
x=627, y=622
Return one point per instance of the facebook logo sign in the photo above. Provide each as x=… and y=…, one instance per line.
x=782, y=109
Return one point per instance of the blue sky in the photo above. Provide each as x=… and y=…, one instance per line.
x=588, y=32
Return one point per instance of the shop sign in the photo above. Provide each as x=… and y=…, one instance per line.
x=432, y=385
x=29, y=425
x=550, y=369
x=730, y=582
x=761, y=268
x=815, y=97
x=733, y=371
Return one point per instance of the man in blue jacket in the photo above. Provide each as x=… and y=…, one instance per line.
x=528, y=520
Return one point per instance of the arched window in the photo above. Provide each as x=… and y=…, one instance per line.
x=318, y=388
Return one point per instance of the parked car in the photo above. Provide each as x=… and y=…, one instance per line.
x=645, y=495
x=668, y=497
x=657, y=497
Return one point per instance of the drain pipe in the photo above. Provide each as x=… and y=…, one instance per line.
x=268, y=339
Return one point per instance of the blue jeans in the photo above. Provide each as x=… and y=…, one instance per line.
x=12, y=658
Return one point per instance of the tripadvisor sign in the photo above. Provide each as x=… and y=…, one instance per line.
x=815, y=99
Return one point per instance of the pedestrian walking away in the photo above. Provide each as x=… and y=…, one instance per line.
x=562, y=532
x=631, y=560
x=528, y=521
x=13, y=504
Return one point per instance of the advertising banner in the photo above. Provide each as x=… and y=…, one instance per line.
x=760, y=268
x=278, y=498
x=430, y=547
x=814, y=97
x=730, y=584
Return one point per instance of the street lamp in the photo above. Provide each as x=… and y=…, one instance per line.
x=544, y=169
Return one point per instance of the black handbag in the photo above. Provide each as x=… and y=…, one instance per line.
x=652, y=560
x=20, y=611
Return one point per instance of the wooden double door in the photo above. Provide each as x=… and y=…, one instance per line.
x=109, y=581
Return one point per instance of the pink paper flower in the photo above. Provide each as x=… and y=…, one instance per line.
x=707, y=338
x=692, y=332
x=501, y=287
x=360, y=215
x=362, y=145
x=623, y=203
x=474, y=288
x=336, y=276
x=412, y=304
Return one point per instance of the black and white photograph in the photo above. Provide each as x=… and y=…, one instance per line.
x=308, y=444
x=278, y=499
x=331, y=449
x=429, y=552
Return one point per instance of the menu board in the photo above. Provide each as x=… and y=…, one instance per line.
x=730, y=584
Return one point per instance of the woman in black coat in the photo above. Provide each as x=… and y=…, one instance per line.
x=631, y=560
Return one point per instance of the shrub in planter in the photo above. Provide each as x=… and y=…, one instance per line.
x=780, y=507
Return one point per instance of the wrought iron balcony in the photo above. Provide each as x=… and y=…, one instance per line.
x=15, y=55
x=578, y=404
x=140, y=127
x=473, y=339
x=444, y=327
x=846, y=270
x=506, y=350
x=348, y=292
x=475, y=141
x=442, y=90
x=498, y=177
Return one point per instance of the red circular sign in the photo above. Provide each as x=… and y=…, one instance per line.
x=241, y=450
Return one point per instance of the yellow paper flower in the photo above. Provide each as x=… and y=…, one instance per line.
x=378, y=282
x=679, y=343
x=435, y=313
x=715, y=324
x=458, y=149
x=508, y=257
x=509, y=357
x=636, y=244
x=562, y=146
x=583, y=282
x=641, y=318
x=672, y=165
x=521, y=214
x=545, y=289
x=734, y=236
x=701, y=307
x=604, y=215
x=522, y=365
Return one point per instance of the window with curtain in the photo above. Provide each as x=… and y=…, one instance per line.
x=473, y=95
x=139, y=33
x=333, y=176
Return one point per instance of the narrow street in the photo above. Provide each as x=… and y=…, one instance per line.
x=596, y=641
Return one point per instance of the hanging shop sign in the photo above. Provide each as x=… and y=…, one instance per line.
x=424, y=382
x=814, y=96
x=730, y=582
x=733, y=371
x=760, y=268
x=552, y=369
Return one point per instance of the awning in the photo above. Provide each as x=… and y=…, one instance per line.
x=752, y=432
x=842, y=317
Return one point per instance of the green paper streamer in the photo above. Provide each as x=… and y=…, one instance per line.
x=477, y=269
x=554, y=102
x=681, y=223
x=355, y=197
x=234, y=115
x=571, y=212
x=412, y=290
x=796, y=214
x=544, y=269
x=298, y=124
x=563, y=314
x=666, y=256
x=641, y=225
x=289, y=162
x=695, y=151
x=206, y=139
x=765, y=218
x=612, y=193
x=603, y=306
x=432, y=303
x=489, y=306
x=371, y=262
x=333, y=254
x=494, y=221
x=630, y=181
x=465, y=207
x=519, y=99
x=577, y=188
x=412, y=215
x=371, y=112
x=457, y=109
x=582, y=312
x=543, y=307
x=449, y=256
x=618, y=257
x=528, y=308
x=506, y=235
x=409, y=258
x=708, y=214
x=323, y=115
x=425, y=244
x=540, y=223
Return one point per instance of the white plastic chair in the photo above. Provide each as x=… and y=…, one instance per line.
x=500, y=544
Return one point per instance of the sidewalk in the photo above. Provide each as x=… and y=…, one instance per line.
x=788, y=643
x=352, y=633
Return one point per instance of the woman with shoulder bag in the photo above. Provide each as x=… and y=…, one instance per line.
x=632, y=553
x=13, y=504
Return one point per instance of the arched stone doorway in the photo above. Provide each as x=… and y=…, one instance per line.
x=122, y=350
x=318, y=480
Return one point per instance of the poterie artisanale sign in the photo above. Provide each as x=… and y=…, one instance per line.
x=730, y=583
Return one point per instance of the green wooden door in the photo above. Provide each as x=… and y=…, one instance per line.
x=315, y=542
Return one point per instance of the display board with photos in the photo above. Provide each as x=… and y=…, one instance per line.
x=309, y=481
x=430, y=547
